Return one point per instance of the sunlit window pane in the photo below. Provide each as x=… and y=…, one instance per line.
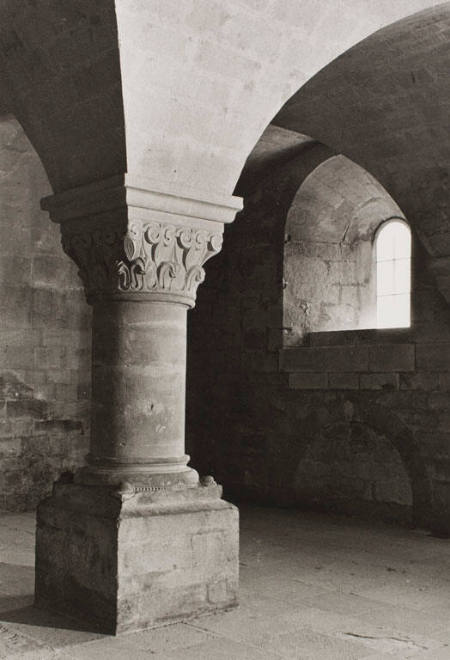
x=402, y=276
x=394, y=311
x=393, y=255
x=386, y=243
x=394, y=241
x=385, y=278
x=402, y=241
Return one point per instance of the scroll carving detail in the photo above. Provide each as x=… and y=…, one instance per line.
x=148, y=258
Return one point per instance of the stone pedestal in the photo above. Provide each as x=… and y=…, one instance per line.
x=121, y=560
x=136, y=539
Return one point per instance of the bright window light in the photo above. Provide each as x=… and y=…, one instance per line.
x=393, y=256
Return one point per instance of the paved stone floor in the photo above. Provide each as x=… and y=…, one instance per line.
x=312, y=587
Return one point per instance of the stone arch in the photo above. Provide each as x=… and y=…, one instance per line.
x=381, y=418
x=329, y=278
x=387, y=114
x=392, y=481
x=60, y=77
x=112, y=83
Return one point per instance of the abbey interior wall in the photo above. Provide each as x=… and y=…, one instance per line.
x=349, y=421
x=44, y=335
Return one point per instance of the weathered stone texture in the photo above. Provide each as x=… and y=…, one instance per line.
x=327, y=359
x=354, y=469
x=275, y=415
x=308, y=381
x=44, y=336
x=407, y=156
x=128, y=561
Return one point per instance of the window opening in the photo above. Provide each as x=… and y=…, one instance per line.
x=393, y=260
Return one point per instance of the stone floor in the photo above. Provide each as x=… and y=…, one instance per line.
x=312, y=587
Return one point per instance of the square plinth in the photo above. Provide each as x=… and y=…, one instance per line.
x=128, y=561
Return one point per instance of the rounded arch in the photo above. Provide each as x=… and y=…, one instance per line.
x=388, y=113
x=270, y=51
x=329, y=271
x=368, y=431
x=393, y=252
x=394, y=219
x=384, y=420
x=61, y=79
x=111, y=83
x=339, y=201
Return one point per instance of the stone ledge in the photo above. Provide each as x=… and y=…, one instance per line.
x=340, y=366
x=325, y=359
x=352, y=337
x=124, y=190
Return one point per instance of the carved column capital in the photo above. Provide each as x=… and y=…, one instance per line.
x=160, y=260
x=130, y=242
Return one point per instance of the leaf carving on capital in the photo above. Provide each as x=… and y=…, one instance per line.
x=95, y=254
x=148, y=257
x=171, y=258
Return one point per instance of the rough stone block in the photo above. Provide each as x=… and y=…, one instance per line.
x=49, y=357
x=352, y=337
x=392, y=357
x=9, y=447
x=433, y=357
x=379, y=381
x=16, y=349
x=52, y=270
x=258, y=361
x=329, y=358
x=15, y=303
x=308, y=381
x=423, y=380
x=12, y=387
x=348, y=381
x=125, y=561
x=35, y=408
x=19, y=266
x=58, y=426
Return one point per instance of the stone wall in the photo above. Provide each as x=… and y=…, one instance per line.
x=355, y=469
x=329, y=280
x=325, y=287
x=366, y=412
x=44, y=335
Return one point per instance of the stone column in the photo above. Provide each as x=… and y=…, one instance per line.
x=138, y=395
x=137, y=538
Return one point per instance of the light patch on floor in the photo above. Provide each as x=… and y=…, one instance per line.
x=313, y=587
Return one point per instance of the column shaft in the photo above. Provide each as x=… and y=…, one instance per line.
x=138, y=390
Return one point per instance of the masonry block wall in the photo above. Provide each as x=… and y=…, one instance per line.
x=44, y=335
x=329, y=278
x=352, y=421
x=324, y=287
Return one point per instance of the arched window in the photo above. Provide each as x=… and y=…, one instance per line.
x=393, y=257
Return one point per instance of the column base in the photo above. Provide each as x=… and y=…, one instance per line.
x=173, y=475
x=122, y=560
